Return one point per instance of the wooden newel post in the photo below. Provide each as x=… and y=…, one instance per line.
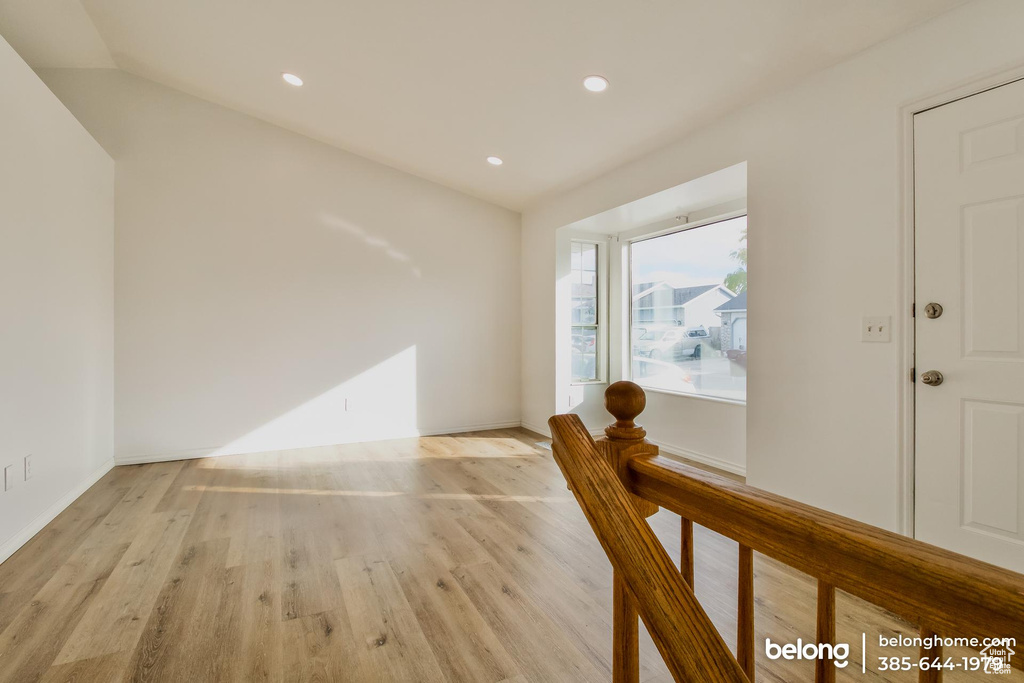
x=626, y=439
x=623, y=440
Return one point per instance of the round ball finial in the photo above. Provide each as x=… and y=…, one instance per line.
x=625, y=400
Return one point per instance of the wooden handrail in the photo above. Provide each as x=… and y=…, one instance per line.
x=622, y=479
x=691, y=646
x=953, y=595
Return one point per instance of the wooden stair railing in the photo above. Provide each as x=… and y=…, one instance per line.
x=621, y=479
x=691, y=646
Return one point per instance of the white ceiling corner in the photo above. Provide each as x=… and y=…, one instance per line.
x=53, y=34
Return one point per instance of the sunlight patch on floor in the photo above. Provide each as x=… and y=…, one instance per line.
x=500, y=497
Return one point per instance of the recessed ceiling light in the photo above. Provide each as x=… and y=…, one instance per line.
x=595, y=83
x=495, y=161
x=292, y=79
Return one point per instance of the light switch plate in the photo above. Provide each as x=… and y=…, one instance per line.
x=28, y=467
x=8, y=477
x=876, y=328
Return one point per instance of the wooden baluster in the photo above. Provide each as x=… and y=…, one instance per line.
x=931, y=654
x=745, y=612
x=824, y=669
x=625, y=634
x=624, y=440
x=686, y=554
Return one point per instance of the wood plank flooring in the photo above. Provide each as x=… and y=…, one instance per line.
x=452, y=558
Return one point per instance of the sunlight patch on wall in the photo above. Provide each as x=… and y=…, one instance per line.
x=379, y=403
x=354, y=230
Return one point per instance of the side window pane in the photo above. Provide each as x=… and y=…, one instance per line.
x=585, y=313
x=584, y=354
x=689, y=311
x=589, y=259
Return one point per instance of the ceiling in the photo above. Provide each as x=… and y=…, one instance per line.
x=434, y=87
x=712, y=195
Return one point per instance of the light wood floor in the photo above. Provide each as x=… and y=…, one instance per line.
x=457, y=558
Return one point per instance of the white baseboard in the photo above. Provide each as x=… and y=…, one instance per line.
x=511, y=424
x=670, y=450
x=537, y=429
x=170, y=456
x=212, y=452
x=11, y=545
x=680, y=452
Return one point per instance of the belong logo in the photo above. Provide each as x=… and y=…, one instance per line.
x=838, y=653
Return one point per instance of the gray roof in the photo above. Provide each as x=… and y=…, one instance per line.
x=680, y=295
x=737, y=304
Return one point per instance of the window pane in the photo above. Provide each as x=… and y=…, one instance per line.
x=589, y=257
x=584, y=311
x=689, y=311
x=584, y=354
x=585, y=304
x=576, y=257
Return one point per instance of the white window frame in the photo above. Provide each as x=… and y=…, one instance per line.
x=601, y=327
x=643, y=234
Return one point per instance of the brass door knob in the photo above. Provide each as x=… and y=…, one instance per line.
x=932, y=378
x=933, y=310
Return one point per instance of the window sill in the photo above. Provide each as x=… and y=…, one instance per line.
x=702, y=397
x=587, y=383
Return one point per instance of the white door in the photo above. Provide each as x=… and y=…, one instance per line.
x=739, y=333
x=969, y=253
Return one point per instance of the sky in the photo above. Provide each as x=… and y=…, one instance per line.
x=699, y=256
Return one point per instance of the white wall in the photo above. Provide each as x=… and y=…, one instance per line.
x=824, y=174
x=265, y=280
x=56, y=303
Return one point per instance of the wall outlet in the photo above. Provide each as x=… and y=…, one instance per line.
x=876, y=328
x=28, y=467
x=8, y=477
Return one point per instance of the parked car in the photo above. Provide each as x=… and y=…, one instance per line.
x=672, y=343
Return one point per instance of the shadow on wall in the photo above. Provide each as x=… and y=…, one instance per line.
x=293, y=333
x=239, y=376
x=379, y=403
x=260, y=341
x=266, y=282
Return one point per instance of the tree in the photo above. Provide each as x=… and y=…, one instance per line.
x=737, y=279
